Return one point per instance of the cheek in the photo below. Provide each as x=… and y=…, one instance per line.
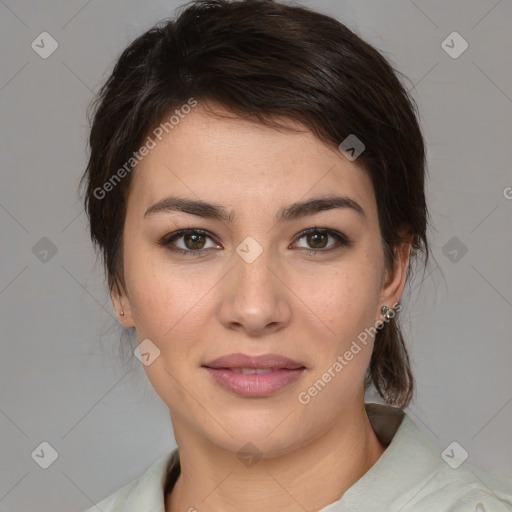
x=167, y=304
x=168, y=301
x=340, y=301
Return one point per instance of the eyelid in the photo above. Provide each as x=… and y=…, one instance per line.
x=176, y=235
x=342, y=239
x=166, y=240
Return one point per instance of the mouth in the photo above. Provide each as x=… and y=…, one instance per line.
x=254, y=376
x=254, y=383
x=242, y=363
x=257, y=371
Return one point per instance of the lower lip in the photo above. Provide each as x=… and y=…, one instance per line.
x=254, y=385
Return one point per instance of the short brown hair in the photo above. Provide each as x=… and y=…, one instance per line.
x=261, y=60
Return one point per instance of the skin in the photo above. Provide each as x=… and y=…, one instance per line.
x=308, y=308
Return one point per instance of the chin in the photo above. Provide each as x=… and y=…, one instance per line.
x=249, y=449
x=265, y=439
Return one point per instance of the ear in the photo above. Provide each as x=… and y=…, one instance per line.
x=393, y=281
x=121, y=303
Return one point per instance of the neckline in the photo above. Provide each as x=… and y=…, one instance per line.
x=384, y=419
x=173, y=471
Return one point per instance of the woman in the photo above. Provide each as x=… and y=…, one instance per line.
x=256, y=187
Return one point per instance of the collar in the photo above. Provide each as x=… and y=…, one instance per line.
x=397, y=473
x=405, y=443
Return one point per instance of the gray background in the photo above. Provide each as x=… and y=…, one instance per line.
x=61, y=378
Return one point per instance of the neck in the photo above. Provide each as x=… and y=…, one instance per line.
x=310, y=477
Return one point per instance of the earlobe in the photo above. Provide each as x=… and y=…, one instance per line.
x=122, y=306
x=395, y=282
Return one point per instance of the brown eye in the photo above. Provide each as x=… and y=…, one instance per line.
x=317, y=241
x=193, y=242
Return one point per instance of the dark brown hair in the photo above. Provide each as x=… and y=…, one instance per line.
x=263, y=60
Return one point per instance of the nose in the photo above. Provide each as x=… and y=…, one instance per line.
x=255, y=299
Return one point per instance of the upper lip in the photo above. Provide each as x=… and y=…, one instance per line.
x=273, y=361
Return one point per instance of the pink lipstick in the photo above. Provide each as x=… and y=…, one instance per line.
x=254, y=376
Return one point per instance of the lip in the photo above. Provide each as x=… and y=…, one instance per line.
x=255, y=385
x=239, y=360
x=285, y=371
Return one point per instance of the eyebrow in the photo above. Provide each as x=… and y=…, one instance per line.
x=291, y=212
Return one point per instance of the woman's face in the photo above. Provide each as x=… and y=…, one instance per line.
x=254, y=282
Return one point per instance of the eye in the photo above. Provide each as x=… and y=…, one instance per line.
x=317, y=238
x=193, y=242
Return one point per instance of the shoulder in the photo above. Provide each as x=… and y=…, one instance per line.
x=449, y=484
x=465, y=489
x=144, y=493
x=416, y=475
x=116, y=501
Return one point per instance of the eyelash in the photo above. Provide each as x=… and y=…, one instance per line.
x=166, y=240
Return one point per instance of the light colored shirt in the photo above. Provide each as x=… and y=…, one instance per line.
x=412, y=475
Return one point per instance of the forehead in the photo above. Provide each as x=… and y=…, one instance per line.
x=230, y=160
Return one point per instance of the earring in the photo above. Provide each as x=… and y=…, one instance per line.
x=122, y=313
x=387, y=312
